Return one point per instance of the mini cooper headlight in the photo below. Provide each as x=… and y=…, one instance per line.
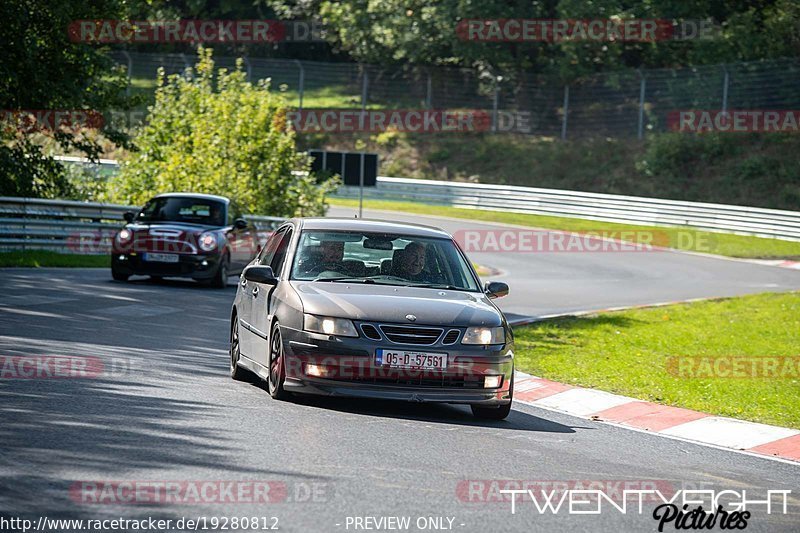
x=329, y=325
x=124, y=236
x=484, y=336
x=207, y=242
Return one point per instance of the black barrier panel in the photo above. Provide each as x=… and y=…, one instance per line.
x=333, y=162
x=370, y=170
x=352, y=168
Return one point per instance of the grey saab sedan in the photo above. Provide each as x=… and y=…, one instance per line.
x=372, y=309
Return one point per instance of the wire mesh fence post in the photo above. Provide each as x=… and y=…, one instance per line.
x=364, y=88
x=725, y=80
x=642, y=89
x=248, y=68
x=429, y=93
x=300, y=82
x=566, y=112
x=130, y=72
x=495, y=98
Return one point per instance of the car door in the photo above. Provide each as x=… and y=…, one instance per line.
x=247, y=338
x=264, y=302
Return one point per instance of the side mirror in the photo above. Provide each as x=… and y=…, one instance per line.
x=260, y=274
x=129, y=216
x=496, y=289
x=240, y=223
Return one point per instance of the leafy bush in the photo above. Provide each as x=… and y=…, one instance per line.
x=217, y=133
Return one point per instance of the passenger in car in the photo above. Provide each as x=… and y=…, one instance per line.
x=328, y=258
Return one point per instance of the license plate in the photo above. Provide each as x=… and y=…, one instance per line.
x=161, y=258
x=417, y=360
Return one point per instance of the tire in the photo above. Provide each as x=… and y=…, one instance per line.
x=156, y=279
x=220, y=279
x=238, y=373
x=119, y=276
x=277, y=369
x=495, y=413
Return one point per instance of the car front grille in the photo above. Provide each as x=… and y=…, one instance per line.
x=417, y=335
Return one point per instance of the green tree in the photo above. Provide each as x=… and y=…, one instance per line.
x=41, y=69
x=212, y=131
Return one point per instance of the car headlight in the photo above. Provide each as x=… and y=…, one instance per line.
x=124, y=236
x=484, y=336
x=207, y=242
x=329, y=325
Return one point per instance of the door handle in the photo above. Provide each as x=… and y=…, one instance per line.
x=255, y=291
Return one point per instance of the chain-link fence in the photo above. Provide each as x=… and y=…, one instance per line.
x=616, y=104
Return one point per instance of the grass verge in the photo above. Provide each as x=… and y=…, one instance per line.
x=639, y=353
x=43, y=258
x=679, y=238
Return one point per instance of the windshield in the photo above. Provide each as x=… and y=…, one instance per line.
x=389, y=259
x=183, y=209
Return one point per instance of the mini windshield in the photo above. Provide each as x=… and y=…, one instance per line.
x=389, y=259
x=183, y=209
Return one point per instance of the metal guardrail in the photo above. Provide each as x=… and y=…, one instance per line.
x=771, y=223
x=70, y=226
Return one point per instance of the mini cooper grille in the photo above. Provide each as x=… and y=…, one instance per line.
x=451, y=337
x=411, y=334
x=370, y=332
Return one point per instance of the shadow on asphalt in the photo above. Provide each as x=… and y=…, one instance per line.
x=424, y=412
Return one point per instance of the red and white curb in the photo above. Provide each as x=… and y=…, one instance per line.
x=778, y=263
x=675, y=422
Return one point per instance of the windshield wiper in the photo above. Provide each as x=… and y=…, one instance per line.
x=438, y=286
x=361, y=280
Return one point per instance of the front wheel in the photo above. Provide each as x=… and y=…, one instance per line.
x=277, y=370
x=495, y=413
x=118, y=276
x=238, y=373
x=220, y=279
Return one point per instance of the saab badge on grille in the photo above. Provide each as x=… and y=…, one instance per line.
x=412, y=318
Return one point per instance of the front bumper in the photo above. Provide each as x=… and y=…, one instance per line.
x=351, y=370
x=196, y=266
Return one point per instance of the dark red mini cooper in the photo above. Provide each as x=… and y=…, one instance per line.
x=200, y=236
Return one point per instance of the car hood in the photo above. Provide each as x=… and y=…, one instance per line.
x=384, y=303
x=169, y=227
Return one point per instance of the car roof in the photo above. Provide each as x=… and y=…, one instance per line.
x=371, y=225
x=194, y=195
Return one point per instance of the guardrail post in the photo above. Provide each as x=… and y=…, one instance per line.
x=300, y=82
x=566, y=112
x=725, y=81
x=642, y=89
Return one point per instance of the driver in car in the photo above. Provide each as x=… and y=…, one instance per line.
x=411, y=263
